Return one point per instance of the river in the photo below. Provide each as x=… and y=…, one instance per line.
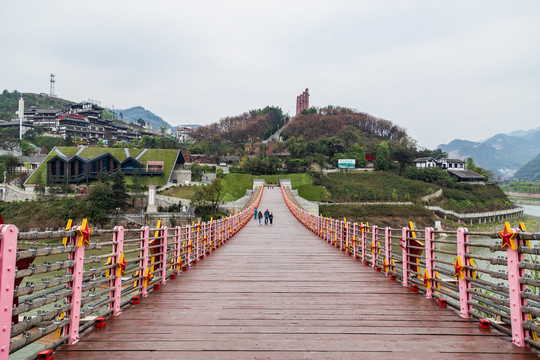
x=532, y=210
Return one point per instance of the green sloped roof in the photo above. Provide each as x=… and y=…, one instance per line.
x=168, y=156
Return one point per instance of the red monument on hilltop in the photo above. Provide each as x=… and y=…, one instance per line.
x=302, y=101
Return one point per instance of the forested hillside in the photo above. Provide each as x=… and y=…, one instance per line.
x=315, y=124
x=530, y=171
x=133, y=114
x=230, y=133
x=9, y=103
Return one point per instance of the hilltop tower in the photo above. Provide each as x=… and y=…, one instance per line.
x=302, y=102
x=52, y=81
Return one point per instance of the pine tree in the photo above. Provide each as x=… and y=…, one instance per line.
x=119, y=191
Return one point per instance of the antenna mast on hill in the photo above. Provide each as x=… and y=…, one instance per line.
x=52, y=86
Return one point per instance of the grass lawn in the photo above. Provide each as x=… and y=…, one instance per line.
x=235, y=185
x=182, y=192
x=375, y=186
x=297, y=180
x=313, y=192
x=381, y=215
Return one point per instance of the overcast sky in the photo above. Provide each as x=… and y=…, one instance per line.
x=441, y=69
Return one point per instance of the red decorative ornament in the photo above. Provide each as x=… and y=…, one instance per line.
x=426, y=278
x=84, y=233
x=459, y=268
x=507, y=236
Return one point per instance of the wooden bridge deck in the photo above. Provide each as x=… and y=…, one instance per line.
x=280, y=292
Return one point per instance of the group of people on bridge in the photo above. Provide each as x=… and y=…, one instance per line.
x=268, y=216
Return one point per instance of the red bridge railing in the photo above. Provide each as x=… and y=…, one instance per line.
x=75, y=285
x=496, y=282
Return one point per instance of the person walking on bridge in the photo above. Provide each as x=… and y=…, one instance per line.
x=266, y=215
x=271, y=218
x=255, y=217
x=259, y=216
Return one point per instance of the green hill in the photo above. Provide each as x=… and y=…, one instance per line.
x=138, y=112
x=9, y=103
x=388, y=187
x=530, y=171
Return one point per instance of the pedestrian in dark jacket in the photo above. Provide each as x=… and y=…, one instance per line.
x=271, y=218
x=266, y=214
x=259, y=216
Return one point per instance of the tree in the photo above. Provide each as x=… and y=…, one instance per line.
x=10, y=161
x=26, y=148
x=98, y=202
x=209, y=196
x=119, y=191
x=219, y=173
x=40, y=190
x=383, y=157
x=470, y=165
x=137, y=184
x=404, y=155
x=320, y=160
x=196, y=172
x=68, y=141
x=141, y=122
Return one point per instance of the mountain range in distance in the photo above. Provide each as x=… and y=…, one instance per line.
x=138, y=112
x=504, y=154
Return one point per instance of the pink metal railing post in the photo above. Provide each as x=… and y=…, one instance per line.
x=341, y=225
x=464, y=297
x=8, y=256
x=429, y=236
x=198, y=242
x=364, y=235
x=145, y=240
x=189, y=246
x=348, y=237
x=387, y=245
x=355, y=239
x=178, y=252
x=164, y=255
x=514, y=258
x=76, y=290
x=375, y=239
x=118, y=248
x=403, y=242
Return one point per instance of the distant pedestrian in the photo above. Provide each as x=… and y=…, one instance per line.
x=266, y=215
x=259, y=216
x=255, y=213
x=271, y=218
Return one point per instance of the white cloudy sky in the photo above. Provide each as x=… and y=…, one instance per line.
x=441, y=69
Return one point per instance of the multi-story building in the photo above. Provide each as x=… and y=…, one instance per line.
x=183, y=133
x=83, y=121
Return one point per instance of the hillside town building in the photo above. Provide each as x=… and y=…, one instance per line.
x=83, y=121
x=455, y=167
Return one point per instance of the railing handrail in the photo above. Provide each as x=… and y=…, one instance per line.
x=138, y=262
x=412, y=257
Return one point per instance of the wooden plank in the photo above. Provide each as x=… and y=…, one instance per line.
x=281, y=292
